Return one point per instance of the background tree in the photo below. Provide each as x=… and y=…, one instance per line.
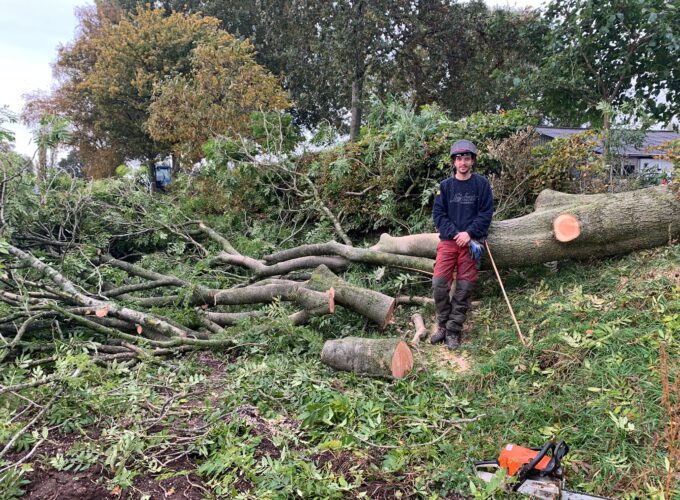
x=465, y=56
x=51, y=133
x=325, y=51
x=72, y=98
x=331, y=55
x=616, y=53
x=120, y=64
x=224, y=87
x=6, y=135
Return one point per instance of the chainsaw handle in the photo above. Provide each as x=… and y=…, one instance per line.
x=539, y=456
x=482, y=463
x=555, y=464
x=525, y=470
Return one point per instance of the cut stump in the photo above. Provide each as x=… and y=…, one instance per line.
x=390, y=358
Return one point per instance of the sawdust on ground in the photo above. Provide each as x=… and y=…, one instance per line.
x=451, y=358
x=672, y=275
x=440, y=355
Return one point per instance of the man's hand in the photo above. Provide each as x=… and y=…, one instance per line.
x=462, y=239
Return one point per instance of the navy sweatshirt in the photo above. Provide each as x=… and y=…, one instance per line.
x=463, y=206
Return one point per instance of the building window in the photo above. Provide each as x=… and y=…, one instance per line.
x=627, y=170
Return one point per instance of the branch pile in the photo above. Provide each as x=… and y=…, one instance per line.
x=126, y=326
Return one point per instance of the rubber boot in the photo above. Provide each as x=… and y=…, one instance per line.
x=460, y=303
x=442, y=305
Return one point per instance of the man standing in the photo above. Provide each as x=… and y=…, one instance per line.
x=462, y=214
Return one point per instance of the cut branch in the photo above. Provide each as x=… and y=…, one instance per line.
x=367, y=256
x=373, y=305
x=130, y=315
x=421, y=331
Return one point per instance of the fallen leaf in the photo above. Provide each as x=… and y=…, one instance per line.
x=116, y=490
x=100, y=313
x=170, y=492
x=139, y=328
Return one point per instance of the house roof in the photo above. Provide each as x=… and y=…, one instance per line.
x=650, y=147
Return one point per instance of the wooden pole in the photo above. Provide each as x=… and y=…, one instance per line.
x=505, y=295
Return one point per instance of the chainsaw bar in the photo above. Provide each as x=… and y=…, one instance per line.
x=544, y=488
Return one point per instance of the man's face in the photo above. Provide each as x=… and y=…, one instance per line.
x=463, y=162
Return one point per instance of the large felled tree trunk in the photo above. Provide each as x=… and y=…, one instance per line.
x=588, y=225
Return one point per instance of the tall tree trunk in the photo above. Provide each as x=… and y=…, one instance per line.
x=606, y=148
x=359, y=71
x=176, y=164
x=151, y=160
x=41, y=169
x=357, y=92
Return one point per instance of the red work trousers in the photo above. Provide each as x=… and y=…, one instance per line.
x=450, y=258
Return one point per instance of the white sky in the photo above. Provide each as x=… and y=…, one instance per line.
x=31, y=31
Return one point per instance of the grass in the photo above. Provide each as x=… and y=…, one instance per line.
x=268, y=420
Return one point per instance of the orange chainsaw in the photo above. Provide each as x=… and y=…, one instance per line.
x=538, y=471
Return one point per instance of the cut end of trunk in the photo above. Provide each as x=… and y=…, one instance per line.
x=566, y=228
x=389, y=314
x=402, y=360
x=331, y=299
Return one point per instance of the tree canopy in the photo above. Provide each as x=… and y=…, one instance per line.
x=145, y=85
x=331, y=55
x=619, y=53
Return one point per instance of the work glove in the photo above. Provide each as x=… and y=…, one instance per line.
x=476, y=250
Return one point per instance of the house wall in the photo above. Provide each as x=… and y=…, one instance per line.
x=653, y=166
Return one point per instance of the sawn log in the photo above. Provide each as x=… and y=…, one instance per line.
x=375, y=306
x=390, y=358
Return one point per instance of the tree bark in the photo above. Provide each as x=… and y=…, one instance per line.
x=357, y=94
x=419, y=325
x=390, y=358
x=367, y=256
x=610, y=224
x=375, y=306
x=359, y=71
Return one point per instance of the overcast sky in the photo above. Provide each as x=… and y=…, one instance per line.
x=31, y=31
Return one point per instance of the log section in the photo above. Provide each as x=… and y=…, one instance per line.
x=389, y=358
x=375, y=306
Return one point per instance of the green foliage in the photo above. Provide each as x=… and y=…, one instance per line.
x=617, y=52
x=274, y=131
x=256, y=424
x=6, y=135
x=386, y=181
